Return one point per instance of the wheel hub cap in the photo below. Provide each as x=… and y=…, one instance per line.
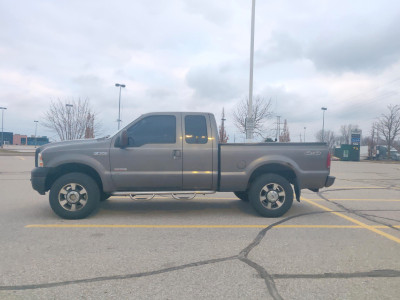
x=72, y=197
x=272, y=196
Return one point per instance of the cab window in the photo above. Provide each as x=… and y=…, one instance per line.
x=196, y=129
x=160, y=129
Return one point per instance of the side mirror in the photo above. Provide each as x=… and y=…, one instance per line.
x=123, y=139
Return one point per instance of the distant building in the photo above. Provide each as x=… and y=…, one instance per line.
x=7, y=138
x=37, y=141
x=19, y=139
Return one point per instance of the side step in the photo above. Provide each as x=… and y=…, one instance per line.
x=178, y=195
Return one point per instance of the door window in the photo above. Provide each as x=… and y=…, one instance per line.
x=160, y=129
x=196, y=129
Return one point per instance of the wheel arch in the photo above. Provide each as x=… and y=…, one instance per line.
x=284, y=170
x=63, y=169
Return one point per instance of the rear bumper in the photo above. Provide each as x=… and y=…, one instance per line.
x=329, y=181
x=38, y=179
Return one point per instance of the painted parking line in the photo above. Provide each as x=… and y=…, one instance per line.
x=352, y=220
x=20, y=157
x=367, y=200
x=197, y=226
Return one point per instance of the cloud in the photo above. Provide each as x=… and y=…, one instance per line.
x=361, y=50
x=221, y=82
x=280, y=47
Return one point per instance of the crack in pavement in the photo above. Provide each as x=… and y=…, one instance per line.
x=356, y=212
x=242, y=256
x=116, y=277
x=386, y=273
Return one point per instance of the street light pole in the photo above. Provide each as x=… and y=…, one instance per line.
x=69, y=135
x=2, y=128
x=36, y=122
x=323, y=122
x=249, y=119
x=119, y=103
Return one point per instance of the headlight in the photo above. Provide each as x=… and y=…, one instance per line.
x=40, y=161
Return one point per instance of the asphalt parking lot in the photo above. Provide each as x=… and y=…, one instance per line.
x=343, y=243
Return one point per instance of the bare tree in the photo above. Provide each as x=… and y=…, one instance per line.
x=345, y=131
x=285, y=136
x=388, y=125
x=71, y=119
x=223, y=137
x=371, y=141
x=329, y=138
x=261, y=112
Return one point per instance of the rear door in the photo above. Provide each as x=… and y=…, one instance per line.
x=198, y=152
x=153, y=159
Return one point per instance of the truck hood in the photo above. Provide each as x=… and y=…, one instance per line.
x=75, y=145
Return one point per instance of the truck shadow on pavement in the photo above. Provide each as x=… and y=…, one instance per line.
x=171, y=206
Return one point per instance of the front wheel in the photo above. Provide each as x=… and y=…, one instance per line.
x=271, y=195
x=74, y=196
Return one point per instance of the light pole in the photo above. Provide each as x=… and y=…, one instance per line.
x=69, y=135
x=305, y=134
x=2, y=128
x=323, y=122
x=119, y=103
x=36, y=122
x=249, y=119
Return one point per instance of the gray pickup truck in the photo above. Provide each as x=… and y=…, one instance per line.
x=176, y=154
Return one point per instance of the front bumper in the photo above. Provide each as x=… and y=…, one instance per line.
x=38, y=179
x=329, y=181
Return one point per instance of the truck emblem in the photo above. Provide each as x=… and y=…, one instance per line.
x=100, y=153
x=314, y=153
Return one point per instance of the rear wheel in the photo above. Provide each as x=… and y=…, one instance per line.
x=74, y=196
x=242, y=196
x=271, y=195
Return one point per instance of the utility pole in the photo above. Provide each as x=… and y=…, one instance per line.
x=305, y=134
x=2, y=122
x=119, y=103
x=249, y=119
x=36, y=122
x=323, y=122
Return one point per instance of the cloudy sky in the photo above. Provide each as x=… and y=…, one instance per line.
x=193, y=55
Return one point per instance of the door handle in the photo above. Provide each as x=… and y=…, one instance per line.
x=177, y=153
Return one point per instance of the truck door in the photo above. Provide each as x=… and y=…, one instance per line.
x=197, y=152
x=153, y=158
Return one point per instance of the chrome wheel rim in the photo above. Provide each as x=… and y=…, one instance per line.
x=272, y=196
x=72, y=197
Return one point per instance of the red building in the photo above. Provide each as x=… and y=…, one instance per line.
x=19, y=139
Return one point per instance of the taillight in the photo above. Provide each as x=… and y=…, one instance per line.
x=328, y=161
x=40, y=160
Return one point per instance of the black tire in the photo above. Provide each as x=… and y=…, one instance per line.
x=271, y=195
x=104, y=196
x=74, y=196
x=242, y=196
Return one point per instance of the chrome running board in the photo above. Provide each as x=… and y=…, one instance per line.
x=178, y=195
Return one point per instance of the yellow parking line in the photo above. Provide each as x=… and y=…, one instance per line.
x=378, y=200
x=192, y=226
x=355, y=187
x=369, y=227
x=21, y=158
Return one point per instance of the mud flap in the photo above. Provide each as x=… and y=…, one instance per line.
x=297, y=189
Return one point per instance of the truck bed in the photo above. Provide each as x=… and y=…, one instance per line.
x=237, y=162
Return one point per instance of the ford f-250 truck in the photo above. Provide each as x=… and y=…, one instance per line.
x=177, y=154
